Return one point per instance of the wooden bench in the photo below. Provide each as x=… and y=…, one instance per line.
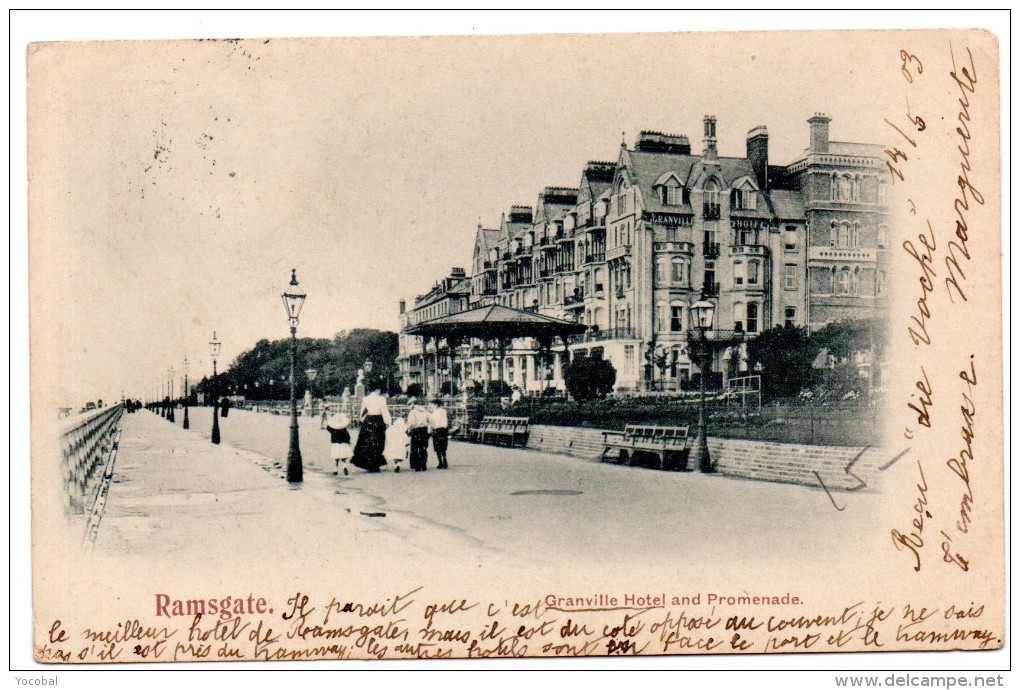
x=508, y=430
x=668, y=443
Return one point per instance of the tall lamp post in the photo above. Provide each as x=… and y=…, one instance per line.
x=293, y=300
x=187, y=424
x=214, y=350
x=702, y=312
x=170, y=411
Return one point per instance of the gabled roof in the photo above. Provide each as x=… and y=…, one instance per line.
x=486, y=239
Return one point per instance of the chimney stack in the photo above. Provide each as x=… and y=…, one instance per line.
x=819, y=133
x=758, y=154
x=710, y=148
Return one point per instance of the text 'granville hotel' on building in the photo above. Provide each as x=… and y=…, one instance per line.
x=642, y=238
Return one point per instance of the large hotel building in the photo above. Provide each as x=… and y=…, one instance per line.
x=642, y=238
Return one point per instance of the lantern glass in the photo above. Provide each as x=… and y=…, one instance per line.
x=294, y=298
x=702, y=313
x=214, y=346
x=310, y=373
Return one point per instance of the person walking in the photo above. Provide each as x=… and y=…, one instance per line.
x=375, y=418
x=439, y=428
x=339, y=442
x=418, y=430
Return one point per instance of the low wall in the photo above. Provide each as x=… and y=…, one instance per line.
x=763, y=460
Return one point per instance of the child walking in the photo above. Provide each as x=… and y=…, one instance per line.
x=395, y=450
x=340, y=449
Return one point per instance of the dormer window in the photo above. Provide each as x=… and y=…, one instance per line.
x=745, y=199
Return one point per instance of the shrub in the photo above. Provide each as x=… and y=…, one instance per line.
x=588, y=378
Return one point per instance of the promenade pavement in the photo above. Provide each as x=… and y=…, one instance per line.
x=173, y=486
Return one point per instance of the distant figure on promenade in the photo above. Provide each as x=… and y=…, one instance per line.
x=339, y=442
x=375, y=418
x=418, y=430
x=396, y=443
x=224, y=407
x=439, y=428
x=515, y=396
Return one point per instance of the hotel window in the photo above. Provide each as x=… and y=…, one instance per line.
x=662, y=271
x=662, y=317
x=676, y=318
x=752, y=272
x=844, y=235
x=883, y=193
x=738, y=272
x=628, y=359
x=879, y=283
x=752, y=317
x=745, y=199
x=711, y=195
x=738, y=317
x=674, y=195
x=681, y=271
x=510, y=369
x=883, y=236
x=855, y=235
x=790, y=277
x=844, y=281
x=790, y=314
x=833, y=234
x=855, y=282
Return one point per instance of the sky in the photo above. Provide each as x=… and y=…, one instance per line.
x=176, y=183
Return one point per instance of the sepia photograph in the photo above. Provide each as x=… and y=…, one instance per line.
x=663, y=344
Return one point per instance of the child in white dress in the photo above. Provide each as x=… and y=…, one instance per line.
x=397, y=441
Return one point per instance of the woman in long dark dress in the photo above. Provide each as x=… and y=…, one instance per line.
x=375, y=417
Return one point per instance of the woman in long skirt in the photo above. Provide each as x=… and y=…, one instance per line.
x=375, y=417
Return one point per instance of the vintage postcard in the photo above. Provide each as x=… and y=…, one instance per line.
x=499, y=347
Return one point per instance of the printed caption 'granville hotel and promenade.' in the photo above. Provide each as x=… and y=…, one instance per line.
x=639, y=240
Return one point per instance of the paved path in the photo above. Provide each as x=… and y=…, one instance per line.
x=173, y=486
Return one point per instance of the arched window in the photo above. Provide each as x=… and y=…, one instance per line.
x=597, y=317
x=844, y=281
x=879, y=283
x=738, y=316
x=855, y=282
x=676, y=317
x=832, y=280
x=738, y=272
x=662, y=317
x=883, y=236
x=855, y=236
x=752, y=317
x=833, y=236
x=845, y=185
x=752, y=272
x=790, y=317
x=662, y=271
x=681, y=271
x=834, y=188
x=844, y=235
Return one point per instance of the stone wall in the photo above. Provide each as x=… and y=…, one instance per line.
x=763, y=460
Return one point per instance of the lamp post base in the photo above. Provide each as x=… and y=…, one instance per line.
x=702, y=460
x=216, y=424
x=187, y=424
x=295, y=469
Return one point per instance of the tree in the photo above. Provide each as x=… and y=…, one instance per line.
x=590, y=378
x=263, y=372
x=786, y=355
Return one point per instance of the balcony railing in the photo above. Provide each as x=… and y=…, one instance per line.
x=710, y=211
x=596, y=258
x=710, y=250
x=575, y=299
x=749, y=249
x=597, y=335
x=710, y=289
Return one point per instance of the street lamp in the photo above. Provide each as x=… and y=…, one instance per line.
x=214, y=350
x=170, y=413
x=187, y=424
x=702, y=312
x=293, y=300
